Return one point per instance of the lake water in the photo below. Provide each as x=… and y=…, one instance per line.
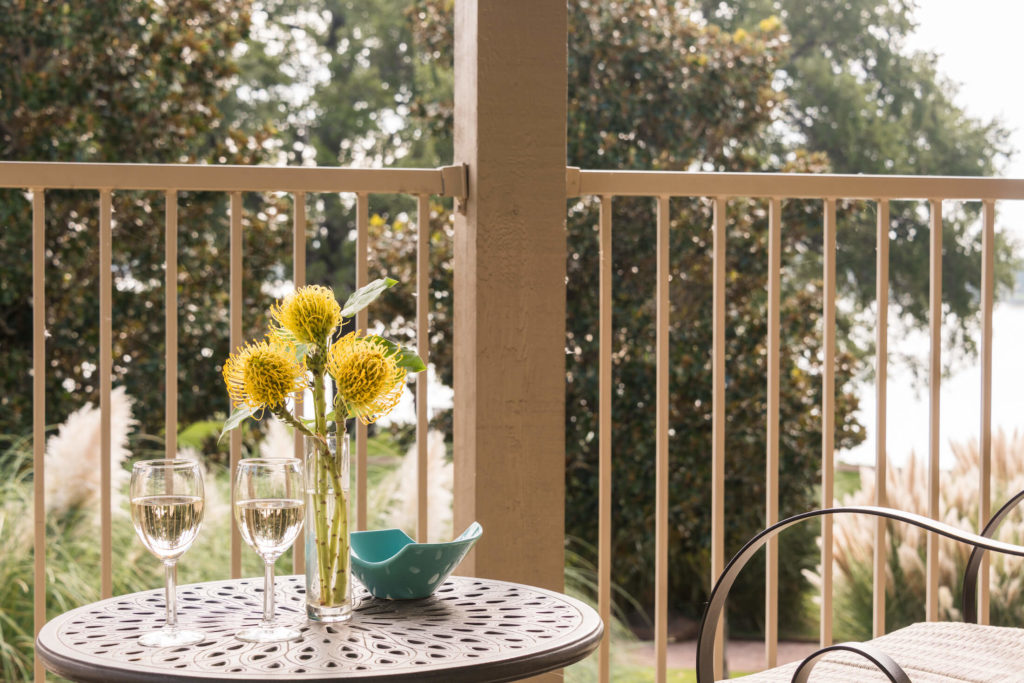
x=960, y=397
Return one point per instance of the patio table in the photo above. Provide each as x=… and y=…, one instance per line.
x=470, y=630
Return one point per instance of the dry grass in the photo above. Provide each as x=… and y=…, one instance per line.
x=907, y=489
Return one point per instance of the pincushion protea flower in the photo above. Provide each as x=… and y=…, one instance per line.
x=310, y=314
x=263, y=375
x=368, y=376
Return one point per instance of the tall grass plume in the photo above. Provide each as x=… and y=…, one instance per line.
x=905, y=579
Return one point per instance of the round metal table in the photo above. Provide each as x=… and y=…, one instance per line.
x=469, y=630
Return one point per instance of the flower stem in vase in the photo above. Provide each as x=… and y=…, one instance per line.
x=327, y=562
x=339, y=539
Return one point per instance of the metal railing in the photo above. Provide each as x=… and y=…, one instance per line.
x=106, y=179
x=776, y=188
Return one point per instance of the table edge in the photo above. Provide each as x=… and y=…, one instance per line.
x=492, y=672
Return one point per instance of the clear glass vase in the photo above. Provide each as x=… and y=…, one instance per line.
x=328, y=567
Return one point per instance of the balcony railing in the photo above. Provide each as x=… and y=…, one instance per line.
x=606, y=186
x=775, y=188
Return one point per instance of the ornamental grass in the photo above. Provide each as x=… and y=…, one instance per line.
x=905, y=580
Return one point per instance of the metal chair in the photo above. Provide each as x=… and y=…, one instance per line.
x=934, y=651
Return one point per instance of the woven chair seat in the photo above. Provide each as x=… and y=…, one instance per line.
x=929, y=652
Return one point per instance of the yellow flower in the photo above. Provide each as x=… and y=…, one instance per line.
x=310, y=313
x=740, y=35
x=369, y=380
x=263, y=375
x=770, y=24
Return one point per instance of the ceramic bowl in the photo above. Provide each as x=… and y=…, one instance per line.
x=393, y=566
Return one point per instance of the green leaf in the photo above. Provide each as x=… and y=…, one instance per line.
x=364, y=296
x=236, y=418
x=407, y=358
x=286, y=337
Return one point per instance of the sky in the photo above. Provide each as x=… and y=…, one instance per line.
x=981, y=50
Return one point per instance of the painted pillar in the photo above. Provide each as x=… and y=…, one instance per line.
x=510, y=251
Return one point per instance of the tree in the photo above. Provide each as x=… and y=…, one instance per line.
x=855, y=93
x=124, y=82
x=337, y=81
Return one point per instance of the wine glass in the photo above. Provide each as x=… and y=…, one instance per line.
x=167, y=511
x=269, y=509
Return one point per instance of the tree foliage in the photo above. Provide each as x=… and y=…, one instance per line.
x=857, y=94
x=338, y=82
x=720, y=84
x=124, y=82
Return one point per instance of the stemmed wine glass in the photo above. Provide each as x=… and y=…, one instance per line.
x=167, y=511
x=269, y=508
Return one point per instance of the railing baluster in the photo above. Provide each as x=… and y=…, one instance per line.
x=718, y=414
x=881, y=377
x=934, y=384
x=771, y=609
x=299, y=280
x=988, y=260
x=423, y=349
x=235, y=315
x=661, y=447
x=38, y=418
x=171, y=323
x=604, y=522
x=362, y=278
x=105, y=367
x=828, y=415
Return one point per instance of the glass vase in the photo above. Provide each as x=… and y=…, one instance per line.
x=328, y=568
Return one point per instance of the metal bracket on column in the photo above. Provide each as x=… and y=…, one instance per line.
x=572, y=181
x=455, y=183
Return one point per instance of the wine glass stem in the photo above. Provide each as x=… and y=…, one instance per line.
x=268, y=592
x=171, y=597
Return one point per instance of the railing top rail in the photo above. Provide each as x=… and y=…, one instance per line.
x=788, y=185
x=446, y=181
x=450, y=181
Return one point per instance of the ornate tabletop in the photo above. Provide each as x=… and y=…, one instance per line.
x=469, y=630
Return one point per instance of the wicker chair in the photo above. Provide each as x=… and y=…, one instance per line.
x=922, y=653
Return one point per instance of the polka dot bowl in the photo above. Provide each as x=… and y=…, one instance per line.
x=393, y=566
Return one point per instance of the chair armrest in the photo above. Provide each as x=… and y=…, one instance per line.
x=716, y=601
x=969, y=597
x=886, y=664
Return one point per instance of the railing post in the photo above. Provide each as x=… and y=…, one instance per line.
x=510, y=250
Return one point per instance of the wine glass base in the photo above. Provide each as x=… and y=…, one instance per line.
x=268, y=634
x=169, y=638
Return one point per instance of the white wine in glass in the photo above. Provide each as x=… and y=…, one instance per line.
x=269, y=510
x=167, y=511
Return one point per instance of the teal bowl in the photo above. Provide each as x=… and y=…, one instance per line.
x=393, y=566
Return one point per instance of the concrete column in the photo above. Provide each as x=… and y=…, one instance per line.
x=510, y=251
